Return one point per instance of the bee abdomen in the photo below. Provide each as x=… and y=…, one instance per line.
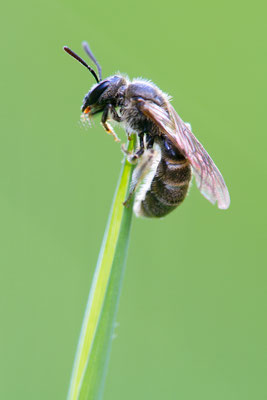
x=168, y=188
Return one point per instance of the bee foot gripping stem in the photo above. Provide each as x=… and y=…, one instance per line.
x=131, y=157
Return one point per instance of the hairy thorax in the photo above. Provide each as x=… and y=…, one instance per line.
x=132, y=118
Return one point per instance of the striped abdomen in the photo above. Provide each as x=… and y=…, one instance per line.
x=170, y=183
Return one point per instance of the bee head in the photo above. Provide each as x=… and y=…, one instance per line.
x=93, y=99
x=103, y=91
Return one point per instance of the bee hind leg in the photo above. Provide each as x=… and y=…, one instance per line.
x=140, y=171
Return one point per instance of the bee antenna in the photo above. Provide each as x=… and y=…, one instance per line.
x=74, y=55
x=88, y=51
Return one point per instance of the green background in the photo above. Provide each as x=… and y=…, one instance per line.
x=192, y=317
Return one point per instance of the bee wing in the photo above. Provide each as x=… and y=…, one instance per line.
x=208, y=178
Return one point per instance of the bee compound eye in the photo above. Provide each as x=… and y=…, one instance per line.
x=96, y=93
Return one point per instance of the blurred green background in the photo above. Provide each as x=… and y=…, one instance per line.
x=192, y=317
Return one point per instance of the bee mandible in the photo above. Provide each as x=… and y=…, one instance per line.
x=167, y=152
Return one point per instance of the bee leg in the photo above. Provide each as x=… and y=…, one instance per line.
x=106, y=125
x=140, y=171
x=128, y=154
x=133, y=157
x=114, y=113
x=149, y=141
x=141, y=149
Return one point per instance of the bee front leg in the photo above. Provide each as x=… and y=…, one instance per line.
x=105, y=124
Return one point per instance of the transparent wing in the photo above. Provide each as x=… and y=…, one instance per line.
x=208, y=178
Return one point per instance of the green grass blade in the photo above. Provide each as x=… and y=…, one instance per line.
x=94, y=345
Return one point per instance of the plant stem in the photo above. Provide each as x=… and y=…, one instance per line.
x=94, y=345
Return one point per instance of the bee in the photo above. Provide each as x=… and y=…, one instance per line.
x=167, y=153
